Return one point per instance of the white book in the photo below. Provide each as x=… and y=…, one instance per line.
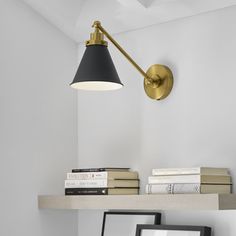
x=102, y=175
x=169, y=179
x=102, y=183
x=186, y=188
x=172, y=188
x=99, y=183
x=87, y=175
x=189, y=171
x=158, y=188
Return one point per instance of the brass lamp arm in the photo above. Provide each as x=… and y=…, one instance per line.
x=97, y=24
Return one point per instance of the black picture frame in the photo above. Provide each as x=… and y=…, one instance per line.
x=204, y=230
x=157, y=216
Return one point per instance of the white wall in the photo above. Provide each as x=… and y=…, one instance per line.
x=38, y=116
x=194, y=126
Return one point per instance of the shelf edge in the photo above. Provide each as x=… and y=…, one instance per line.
x=140, y=202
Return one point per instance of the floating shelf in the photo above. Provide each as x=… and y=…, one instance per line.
x=140, y=202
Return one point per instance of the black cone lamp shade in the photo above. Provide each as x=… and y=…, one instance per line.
x=96, y=70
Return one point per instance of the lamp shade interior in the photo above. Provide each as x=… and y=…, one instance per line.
x=96, y=71
x=96, y=85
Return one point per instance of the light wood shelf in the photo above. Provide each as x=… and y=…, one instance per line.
x=140, y=202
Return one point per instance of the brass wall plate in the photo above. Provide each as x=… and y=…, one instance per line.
x=163, y=89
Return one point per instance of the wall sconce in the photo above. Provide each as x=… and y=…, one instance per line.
x=97, y=71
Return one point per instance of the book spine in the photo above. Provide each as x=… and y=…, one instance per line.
x=174, y=179
x=86, y=191
x=87, y=175
x=176, y=171
x=173, y=188
x=88, y=170
x=99, y=183
x=158, y=188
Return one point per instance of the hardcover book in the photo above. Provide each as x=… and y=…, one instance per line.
x=208, y=179
x=187, y=188
x=189, y=171
x=100, y=169
x=103, y=175
x=101, y=183
x=101, y=191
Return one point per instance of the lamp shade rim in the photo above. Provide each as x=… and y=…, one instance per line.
x=96, y=85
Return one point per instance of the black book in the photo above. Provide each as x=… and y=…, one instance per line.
x=100, y=169
x=101, y=191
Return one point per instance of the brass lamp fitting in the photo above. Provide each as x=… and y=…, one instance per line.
x=96, y=38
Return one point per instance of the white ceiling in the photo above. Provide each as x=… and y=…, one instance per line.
x=75, y=17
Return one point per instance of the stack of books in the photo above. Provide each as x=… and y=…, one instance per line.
x=102, y=181
x=189, y=180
